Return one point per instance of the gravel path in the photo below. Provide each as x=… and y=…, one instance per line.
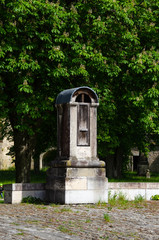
x=56, y=222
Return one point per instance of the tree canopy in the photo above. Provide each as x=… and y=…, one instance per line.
x=110, y=46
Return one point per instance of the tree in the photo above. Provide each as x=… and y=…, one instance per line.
x=111, y=46
x=131, y=116
x=30, y=74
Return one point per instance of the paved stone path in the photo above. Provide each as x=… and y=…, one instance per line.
x=75, y=222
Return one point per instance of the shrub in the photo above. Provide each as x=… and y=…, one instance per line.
x=32, y=200
x=155, y=197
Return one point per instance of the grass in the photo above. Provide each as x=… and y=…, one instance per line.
x=32, y=221
x=102, y=204
x=65, y=230
x=121, y=202
x=133, y=177
x=61, y=210
x=88, y=220
x=139, y=199
x=8, y=176
x=66, y=210
x=20, y=232
x=106, y=217
x=117, y=200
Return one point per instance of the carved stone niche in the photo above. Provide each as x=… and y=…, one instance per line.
x=77, y=175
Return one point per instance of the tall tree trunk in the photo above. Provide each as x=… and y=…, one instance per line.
x=36, y=163
x=118, y=162
x=23, y=153
x=114, y=164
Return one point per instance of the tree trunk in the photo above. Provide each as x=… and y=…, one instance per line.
x=118, y=162
x=36, y=164
x=23, y=153
x=114, y=164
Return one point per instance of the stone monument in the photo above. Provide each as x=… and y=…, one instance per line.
x=143, y=165
x=77, y=175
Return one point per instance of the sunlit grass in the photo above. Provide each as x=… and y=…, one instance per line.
x=133, y=177
x=8, y=176
x=120, y=201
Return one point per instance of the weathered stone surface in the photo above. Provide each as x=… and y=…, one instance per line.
x=24, y=186
x=79, y=222
x=5, y=160
x=58, y=187
x=153, y=159
x=132, y=185
x=132, y=189
x=14, y=193
x=97, y=183
x=76, y=184
x=77, y=175
x=77, y=190
x=85, y=196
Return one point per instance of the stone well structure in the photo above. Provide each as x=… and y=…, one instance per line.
x=77, y=175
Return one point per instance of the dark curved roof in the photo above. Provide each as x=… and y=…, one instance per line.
x=66, y=95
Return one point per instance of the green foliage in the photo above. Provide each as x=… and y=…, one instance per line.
x=133, y=177
x=101, y=204
x=111, y=46
x=117, y=199
x=88, y=220
x=120, y=201
x=32, y=200
x=39, y=177
x=8, y=176
x=64, y=229
x=106, y=217
x=139, y=198
x=155, y=197
x=66, y=209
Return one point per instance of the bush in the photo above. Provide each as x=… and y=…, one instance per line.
x=155, y=197
x=32, y=200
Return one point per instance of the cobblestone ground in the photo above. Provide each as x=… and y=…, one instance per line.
x=56, y=222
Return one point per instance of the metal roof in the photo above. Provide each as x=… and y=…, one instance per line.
x=66, y=95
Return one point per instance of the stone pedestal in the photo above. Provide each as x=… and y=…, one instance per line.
x=77, y=175
x=70, y=184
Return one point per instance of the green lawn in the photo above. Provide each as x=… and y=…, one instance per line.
x=132, y=177
x=8, y=177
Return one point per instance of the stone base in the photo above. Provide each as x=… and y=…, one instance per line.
x=79, y=190
x=14, y=193
x=76, y=185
